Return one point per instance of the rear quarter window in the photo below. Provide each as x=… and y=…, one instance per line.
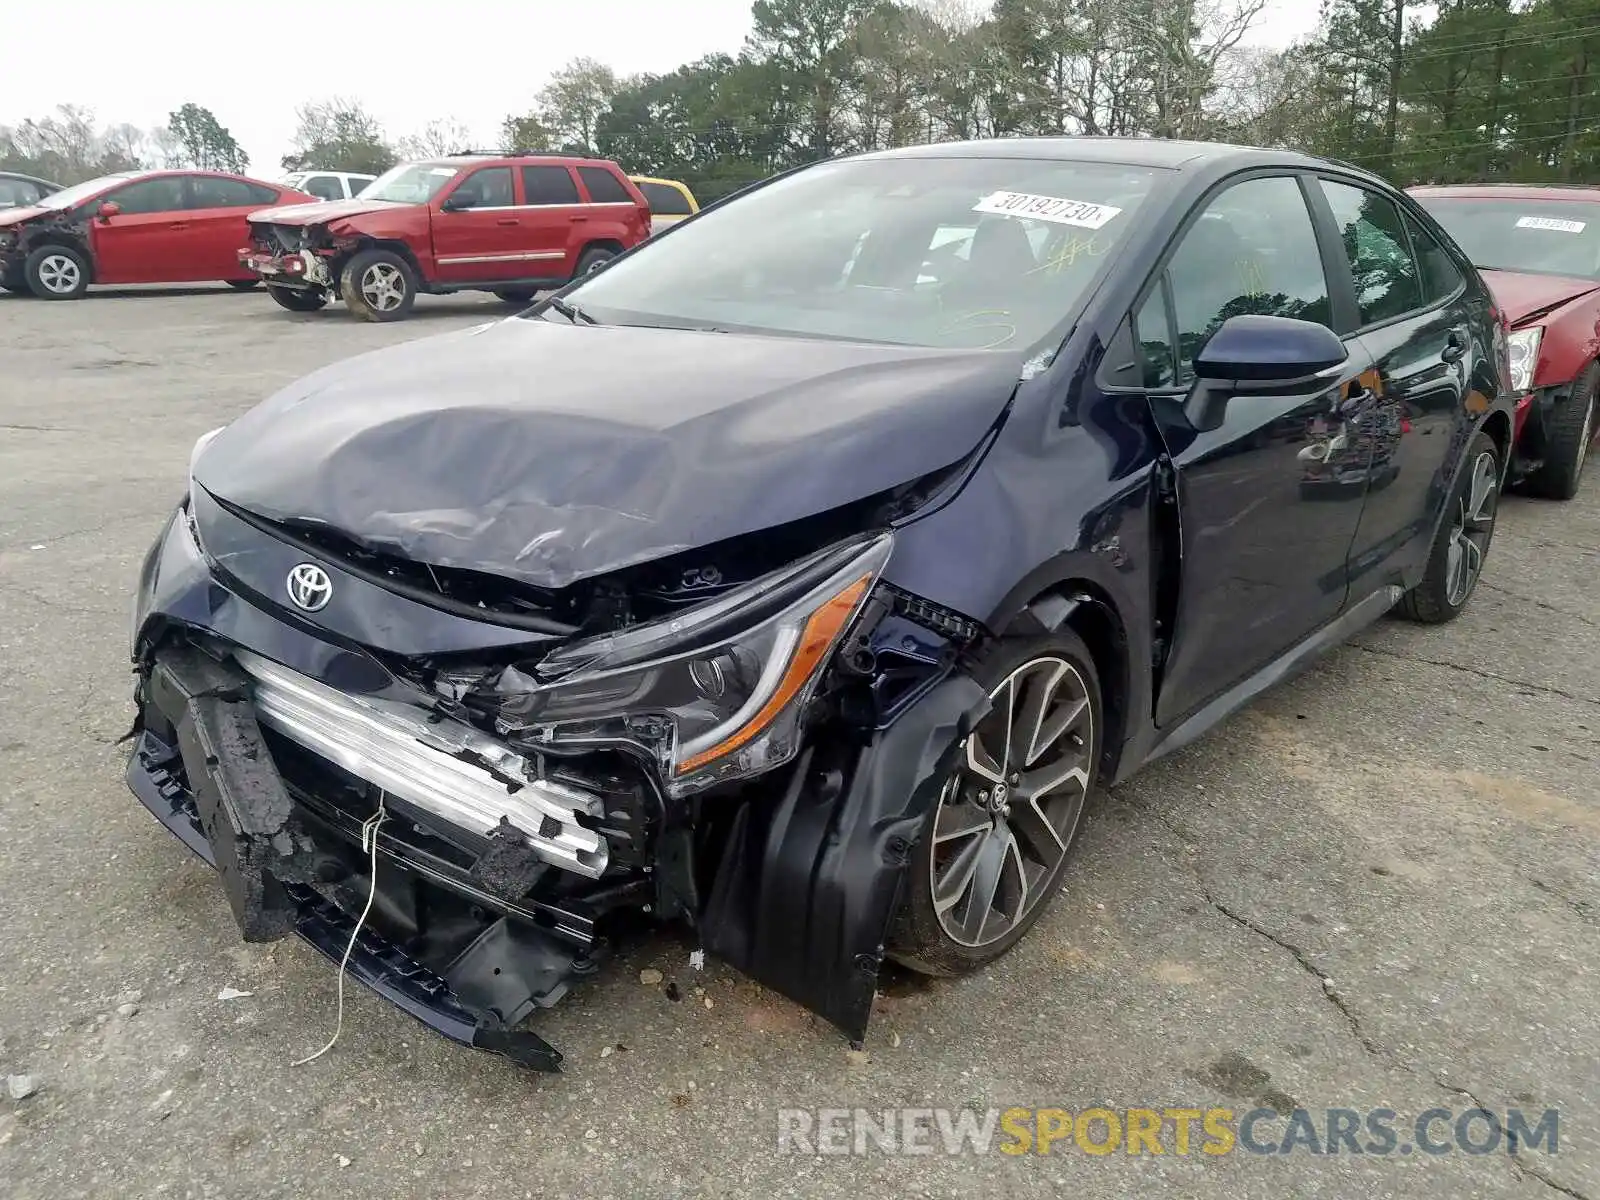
x=604, y=187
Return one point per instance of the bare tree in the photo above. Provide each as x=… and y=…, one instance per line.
x=446, y=135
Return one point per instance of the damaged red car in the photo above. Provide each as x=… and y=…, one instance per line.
x=511, y=226
x=1539, y=251
x=803, y=591
x=133, y=227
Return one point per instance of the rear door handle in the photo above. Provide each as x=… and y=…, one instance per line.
x=506, y=221
x=179, y=225
x=575, y=220
x=1455, y=346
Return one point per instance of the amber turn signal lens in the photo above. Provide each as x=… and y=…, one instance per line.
x=822, y=630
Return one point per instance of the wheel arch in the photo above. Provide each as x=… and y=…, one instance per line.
x=394, y=246
x=1089, y=611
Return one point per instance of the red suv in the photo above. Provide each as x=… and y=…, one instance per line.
x=1539, y=251
x=133, y=227
x=508, y=225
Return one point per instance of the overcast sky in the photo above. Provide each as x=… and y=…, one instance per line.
x=471, y=60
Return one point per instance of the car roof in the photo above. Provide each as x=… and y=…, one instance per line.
x=1509, y=191
x=1122, y=151
x=29, y=178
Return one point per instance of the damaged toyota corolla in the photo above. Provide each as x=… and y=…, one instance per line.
x=799, y=576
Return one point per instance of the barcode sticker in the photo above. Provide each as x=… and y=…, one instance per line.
x=1555, y=223
x=1062, y=211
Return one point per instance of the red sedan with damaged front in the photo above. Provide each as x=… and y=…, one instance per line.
x=1539, y=251
x=134, y=227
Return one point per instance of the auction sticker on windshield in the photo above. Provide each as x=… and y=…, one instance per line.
x=1556, y=223
x=1047, y=208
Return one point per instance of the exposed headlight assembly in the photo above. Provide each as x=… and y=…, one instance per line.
x=714, y=695
x=1523, y=346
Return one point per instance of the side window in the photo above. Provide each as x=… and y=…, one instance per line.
x=18, y=193
x=1387, y=282
x=1153, y=333
x=323, y=187
x=604, y=187
x=208, y=192
x=548, y=185
x=1253, y=251
x=488, y=188
x=665, y=200
x=1440, y=275
x=161, y=194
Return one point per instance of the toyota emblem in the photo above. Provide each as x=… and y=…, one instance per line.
x=309, y=587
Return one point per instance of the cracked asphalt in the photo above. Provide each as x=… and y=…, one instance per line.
x=1376, y=887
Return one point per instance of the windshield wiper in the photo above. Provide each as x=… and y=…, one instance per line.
x=570, y=311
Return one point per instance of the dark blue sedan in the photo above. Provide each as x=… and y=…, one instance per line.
x=799, y=576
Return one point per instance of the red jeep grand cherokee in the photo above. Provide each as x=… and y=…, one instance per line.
x=508, y=225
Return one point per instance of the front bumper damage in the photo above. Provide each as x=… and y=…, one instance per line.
x=265, y=747
x=296, y=269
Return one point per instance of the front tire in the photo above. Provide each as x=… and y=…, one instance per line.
x=1455, y=563
x=378, y=285
x=994, y=848
x=1568, y=437
x=300, y=300
x=57, y=273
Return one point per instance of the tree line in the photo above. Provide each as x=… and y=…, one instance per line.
x=1444, y=91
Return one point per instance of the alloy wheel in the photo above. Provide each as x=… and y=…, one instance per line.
x=1007, y=816
x=383, y=287
x=1469, y=537
x=59, y=274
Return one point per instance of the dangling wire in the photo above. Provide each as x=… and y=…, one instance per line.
x=369, y=844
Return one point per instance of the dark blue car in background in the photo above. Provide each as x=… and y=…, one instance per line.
x=800, y=575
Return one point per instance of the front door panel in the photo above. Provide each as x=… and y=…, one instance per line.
x=488, y=241
x=1268, y=502
x=142, y=243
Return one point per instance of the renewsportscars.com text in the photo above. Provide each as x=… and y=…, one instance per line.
x=1180, y=1131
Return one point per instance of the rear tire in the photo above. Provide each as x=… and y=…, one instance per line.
x=241, y=285
x=992, y=852
x=1461, y=546
x=593, y=259
x=378, y=285
x=515, y=295
x=1568, y=437
x=297, y=299
x=56, y=273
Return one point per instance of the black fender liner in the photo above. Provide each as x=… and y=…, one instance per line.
x=810, y=880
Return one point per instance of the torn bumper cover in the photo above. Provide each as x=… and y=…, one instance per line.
x=201, y=764
x=299, y=269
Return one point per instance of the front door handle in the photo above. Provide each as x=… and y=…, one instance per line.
x=1455, y=346
x=179, y=225
x=506, y=221
x=575, y=220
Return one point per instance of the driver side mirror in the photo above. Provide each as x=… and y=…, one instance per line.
x=458, y=202
x=1258, y=354
x=108, y=210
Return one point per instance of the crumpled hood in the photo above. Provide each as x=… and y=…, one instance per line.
x=321, y=212
x=1523, y=295
x=16, y=216
x=545, y=452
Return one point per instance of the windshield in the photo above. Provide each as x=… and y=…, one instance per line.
x=409, y=183
x=974, y=253
x=1547, y=237
x=80, y=192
